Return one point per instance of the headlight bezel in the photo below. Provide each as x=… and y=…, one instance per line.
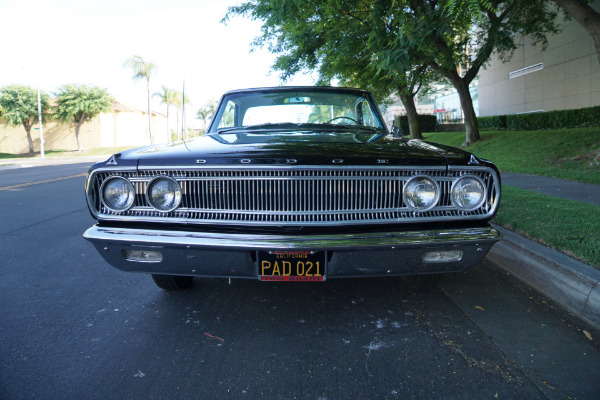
x=481, y=201
x=130, y=201
x=435, y=201
x=179, y=195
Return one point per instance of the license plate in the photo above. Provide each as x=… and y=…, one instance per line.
x=291, y=266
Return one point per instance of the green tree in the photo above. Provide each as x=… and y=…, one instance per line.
x=19, y=105
x=587, y=17
x=307, y=36
x=143, y=70
x=393, y=39
x=169, y=98
x=78, y=104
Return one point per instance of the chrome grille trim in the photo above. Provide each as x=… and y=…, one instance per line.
x=294, y=195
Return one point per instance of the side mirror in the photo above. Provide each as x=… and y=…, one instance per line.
x=397, y=131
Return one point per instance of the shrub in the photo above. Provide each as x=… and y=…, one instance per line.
x=493, y=123
x=577, y=118
x=428, y=123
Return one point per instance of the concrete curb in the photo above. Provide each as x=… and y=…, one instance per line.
x=572, y=284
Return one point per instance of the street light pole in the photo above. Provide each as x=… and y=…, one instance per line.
x=40, y=120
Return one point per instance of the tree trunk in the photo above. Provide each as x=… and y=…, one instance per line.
x=77, y=131
x=149, y=113
x=586, y=16
x=27, y=125
x=411, y=113
x=29, y=139
x=466, y=103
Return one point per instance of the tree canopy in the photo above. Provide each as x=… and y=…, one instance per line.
x=396, y=44
x=19, y=106
x=78, y=104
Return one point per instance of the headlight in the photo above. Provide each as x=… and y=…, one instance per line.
x=117, y=194
x=164, y=194
x=468, y=193
x=421, y=193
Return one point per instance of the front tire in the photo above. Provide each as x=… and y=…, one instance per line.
x=421, y=281
x=172, y=282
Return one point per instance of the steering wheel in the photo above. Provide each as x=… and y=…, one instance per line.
x=336, y=118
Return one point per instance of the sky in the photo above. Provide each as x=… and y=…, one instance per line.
x=55, y=42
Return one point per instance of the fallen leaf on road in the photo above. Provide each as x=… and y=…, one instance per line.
x=480, y=308
x=588, y=335
x=214, y=337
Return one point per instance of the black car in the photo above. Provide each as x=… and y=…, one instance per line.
x=294, y=184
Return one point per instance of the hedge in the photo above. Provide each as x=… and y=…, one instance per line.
x=494, y=123
x=577, y=118
x=428, y=123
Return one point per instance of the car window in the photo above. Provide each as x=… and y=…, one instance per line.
x=228, y=116
x=328, y=108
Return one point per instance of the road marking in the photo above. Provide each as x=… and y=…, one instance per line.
x=38, y=182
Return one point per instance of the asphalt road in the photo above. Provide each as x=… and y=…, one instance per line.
x=72, y=327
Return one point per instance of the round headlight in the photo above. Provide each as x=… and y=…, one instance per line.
x=421, y=193
x=164, y=194
x=468, y=193
x=117, y=194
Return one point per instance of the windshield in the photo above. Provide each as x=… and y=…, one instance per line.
x=306, y=109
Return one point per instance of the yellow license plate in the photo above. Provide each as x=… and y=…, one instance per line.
x=291, y=266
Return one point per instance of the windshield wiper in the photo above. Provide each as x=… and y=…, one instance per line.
x=246, y=127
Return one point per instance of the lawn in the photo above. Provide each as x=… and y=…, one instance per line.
x=568, y=226
x=548, y=152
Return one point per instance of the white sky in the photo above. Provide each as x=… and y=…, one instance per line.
x=56, y=42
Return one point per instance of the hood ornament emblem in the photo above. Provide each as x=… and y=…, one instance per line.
x=112, y=161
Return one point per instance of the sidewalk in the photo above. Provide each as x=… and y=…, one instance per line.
x=12, y=163
x=571, y=283
x=562, y=188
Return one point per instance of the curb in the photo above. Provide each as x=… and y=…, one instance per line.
x=570, y=283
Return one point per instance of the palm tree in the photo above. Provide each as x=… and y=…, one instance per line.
x=179, y=105
x=143, y=70
x=169, y=98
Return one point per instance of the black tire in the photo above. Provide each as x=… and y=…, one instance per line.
x=172, y=282
x=421, y=281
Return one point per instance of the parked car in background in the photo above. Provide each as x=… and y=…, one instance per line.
x=294, y=184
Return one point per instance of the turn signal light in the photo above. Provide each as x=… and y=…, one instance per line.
x=142, y=256
x=443, y=256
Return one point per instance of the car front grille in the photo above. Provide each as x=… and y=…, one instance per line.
x=294, y=196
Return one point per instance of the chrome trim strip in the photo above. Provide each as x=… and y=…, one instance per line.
x=356, y=241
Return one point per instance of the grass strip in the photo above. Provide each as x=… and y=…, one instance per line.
x=570, y=227
x=547, y=152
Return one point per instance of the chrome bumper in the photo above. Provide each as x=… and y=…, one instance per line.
x=349, y=255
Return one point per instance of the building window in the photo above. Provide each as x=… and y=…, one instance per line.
x=526, y=70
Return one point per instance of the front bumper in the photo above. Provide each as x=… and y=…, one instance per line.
x=233, y=255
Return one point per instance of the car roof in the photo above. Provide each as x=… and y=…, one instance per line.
x=293, y=88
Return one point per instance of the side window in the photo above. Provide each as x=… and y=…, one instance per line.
x=366, y=115
x=228, y=117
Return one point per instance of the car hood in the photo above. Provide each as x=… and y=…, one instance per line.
x=301, y=148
